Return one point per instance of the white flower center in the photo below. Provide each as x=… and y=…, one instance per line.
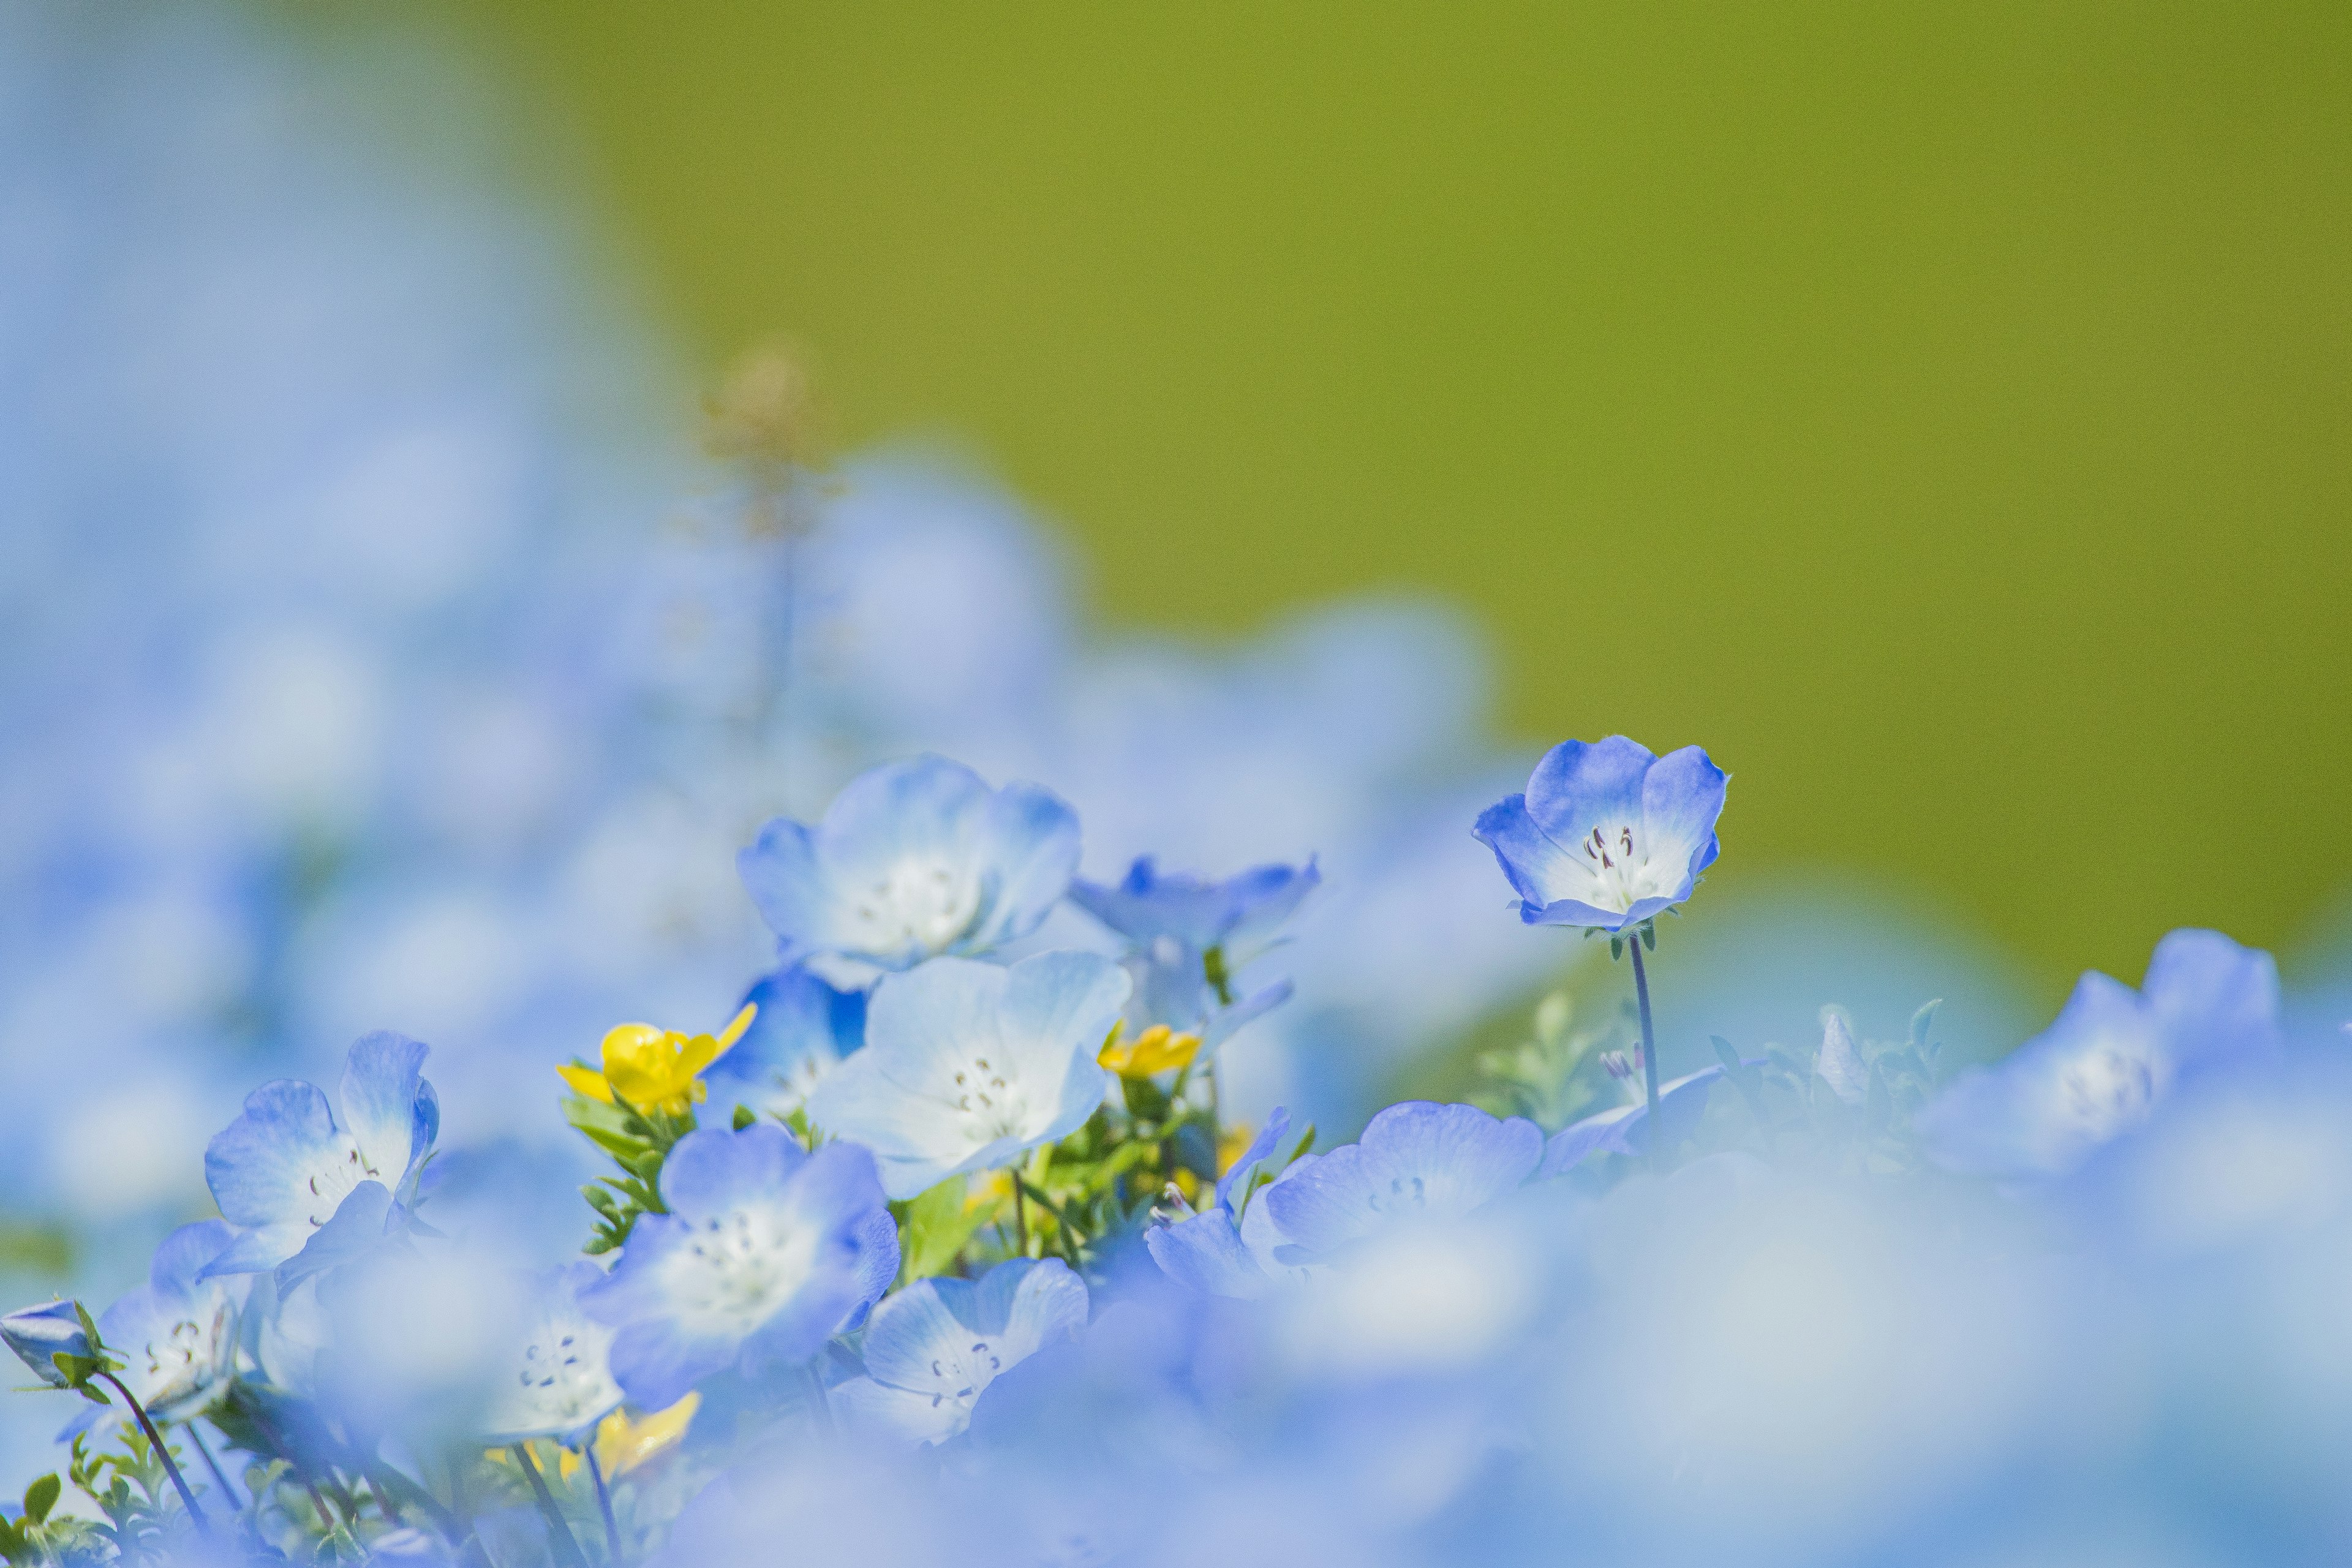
x=2109, y=1088
x=187, y=1359
x=333, y=1182
x=1610, y=868
x=562, y=1379
x=959, y=1376
x=738, y=1269
x=992, y=1105
x=925, y=904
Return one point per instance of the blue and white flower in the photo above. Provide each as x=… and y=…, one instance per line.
x=967, y=1066
x=560, y=1384
x=287, y=1163
x=912, y=860
x=1417, y=1161
x=766, y=1250
x=1172, y=925
x=39, y=1334
x=932, y=1349
x=1228, y=1248
x=803, y=1029
x=1606, y=835
x=176, y=1335
x=2110, y=1058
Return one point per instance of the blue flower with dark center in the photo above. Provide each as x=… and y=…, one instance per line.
x=1607, y=836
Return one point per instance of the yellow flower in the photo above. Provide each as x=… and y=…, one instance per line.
x=621, y=1445
x=992, y=1191
x=1156, y=1051
x=648, y=1069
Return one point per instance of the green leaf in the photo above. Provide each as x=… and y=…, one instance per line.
x=12, y=1544
x=934, y=1230
x=1922, y=1021
x=744, y=1117
x=41, y=1496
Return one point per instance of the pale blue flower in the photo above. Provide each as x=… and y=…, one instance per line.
x=287, y=1163
x=765, y=1252
x=561, y=1382
x=1416, y=1161
x=1227, y=1249
x=2112, y=1055
x=176, y=1335
x=967, y=1066
x=911, y=860
x=37, y=1334
x=1607, y=835
x=803, y=1029
x=1626, y=1129
x=1240, y=911
x=932, y=1349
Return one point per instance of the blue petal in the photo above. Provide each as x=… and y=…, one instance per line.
x=1626, y=1129
x=878, y=1265
x=914, y=1337
x=1527, y=854
x=779, y=869
x=179, y=1262
x=803, y=1026
x=1579, y=787
x=1029, y=845
x=260, y=1165
x=1455, y=1157
x=1206, y=1254
x=382, y=1091
x=354, y=1231
x=657, y=1362
x=2214, y=1000
x=716, y=1169
x=1261, y=1149
x=1680, y=799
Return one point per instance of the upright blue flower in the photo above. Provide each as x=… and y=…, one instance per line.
x=967, y=1066
x=2110, y=1058
x=802, y=1031
x=932, y=1349
x=283, y=1168
x=911, y=860
x=176, y=1335
x=1607, y=835
x=39, y=1334
x=1416, y=1161
x=765, y=1252
x=1173, y=924
x=560, y=1382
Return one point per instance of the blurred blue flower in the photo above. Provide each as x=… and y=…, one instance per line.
x=1416, y=1160
x=967, y=1066
x=932, y=1349
x=765, y=1251
x=1607, y=835
x=804, y=1027
x=177, y=1334
x=1212, y=1251
x=560, y=1382
x=911, y=860
x=285, y=1167
x=1626, y=1130
x=39, y=1333
x=2110, y=1058
x=1238, y=913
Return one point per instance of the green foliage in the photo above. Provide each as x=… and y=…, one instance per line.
x=128, y=1483
x=1791, y=1112
x=934, y=1227
x=1551, y=1078
x=638, y=1142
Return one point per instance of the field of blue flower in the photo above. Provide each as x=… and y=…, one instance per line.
x=570, y=1004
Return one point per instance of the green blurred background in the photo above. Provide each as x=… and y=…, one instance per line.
x=1940, y=412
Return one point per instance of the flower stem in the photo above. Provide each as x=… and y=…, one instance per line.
x=572, y=1552
x=170, y=1467
x=1020, y=1213
x=1648, y=1058
x=220, y=1477
x=604, y=1504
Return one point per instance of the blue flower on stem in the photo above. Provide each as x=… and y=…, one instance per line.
x=288, y=1165
x=40, y=1334
x=1415, y=1160
x=560, y=1382
x=2111, y=1057
x=932, y=1349
x=1608, y=836
x=766, y=1251
x=803, y=1029
x=176, y=1335
x=967, y=1066
x=912, y=860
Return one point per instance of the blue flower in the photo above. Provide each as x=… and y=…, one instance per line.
x=911, y=860
x=932, y=1349
x=1607, y=835
x=1416, y=1160
x=765, y=1252
x=1239, y=911
x=176, y=1335
x=1626, y=1129
x=2112, y=1055
x=560, y=1382
x=37, y=1334
x=803, y=1029
x=283, y=1168
x=967, y=1066
x=1227, y=1249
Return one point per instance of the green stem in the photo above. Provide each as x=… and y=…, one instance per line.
x=1648, y=1058
x=1020, y=1213
x=170, y=1467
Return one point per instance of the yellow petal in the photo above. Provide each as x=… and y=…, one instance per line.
x=695, y=1055
x=1156, y=1051
x=735, y=1027
x=583, y=1080
x=629, y=1043
x=623, y=1445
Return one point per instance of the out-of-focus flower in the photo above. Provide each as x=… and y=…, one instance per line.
x=803, y=1029
x=176, y=1335
x=912, y=860
x=932, y=1349
x=652, y=1069
x=1415, y=1160
x=967, y=1066
x=1607, y=835
x=561, y=1381
x=1157, y=1050
x=1236, y=912
x=764, y=1253
x=1227, y=1248
x=1626, y=1129
x=40, y=1334
x=624, y=1444
x=286, y=1165
x=2112, y=1055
